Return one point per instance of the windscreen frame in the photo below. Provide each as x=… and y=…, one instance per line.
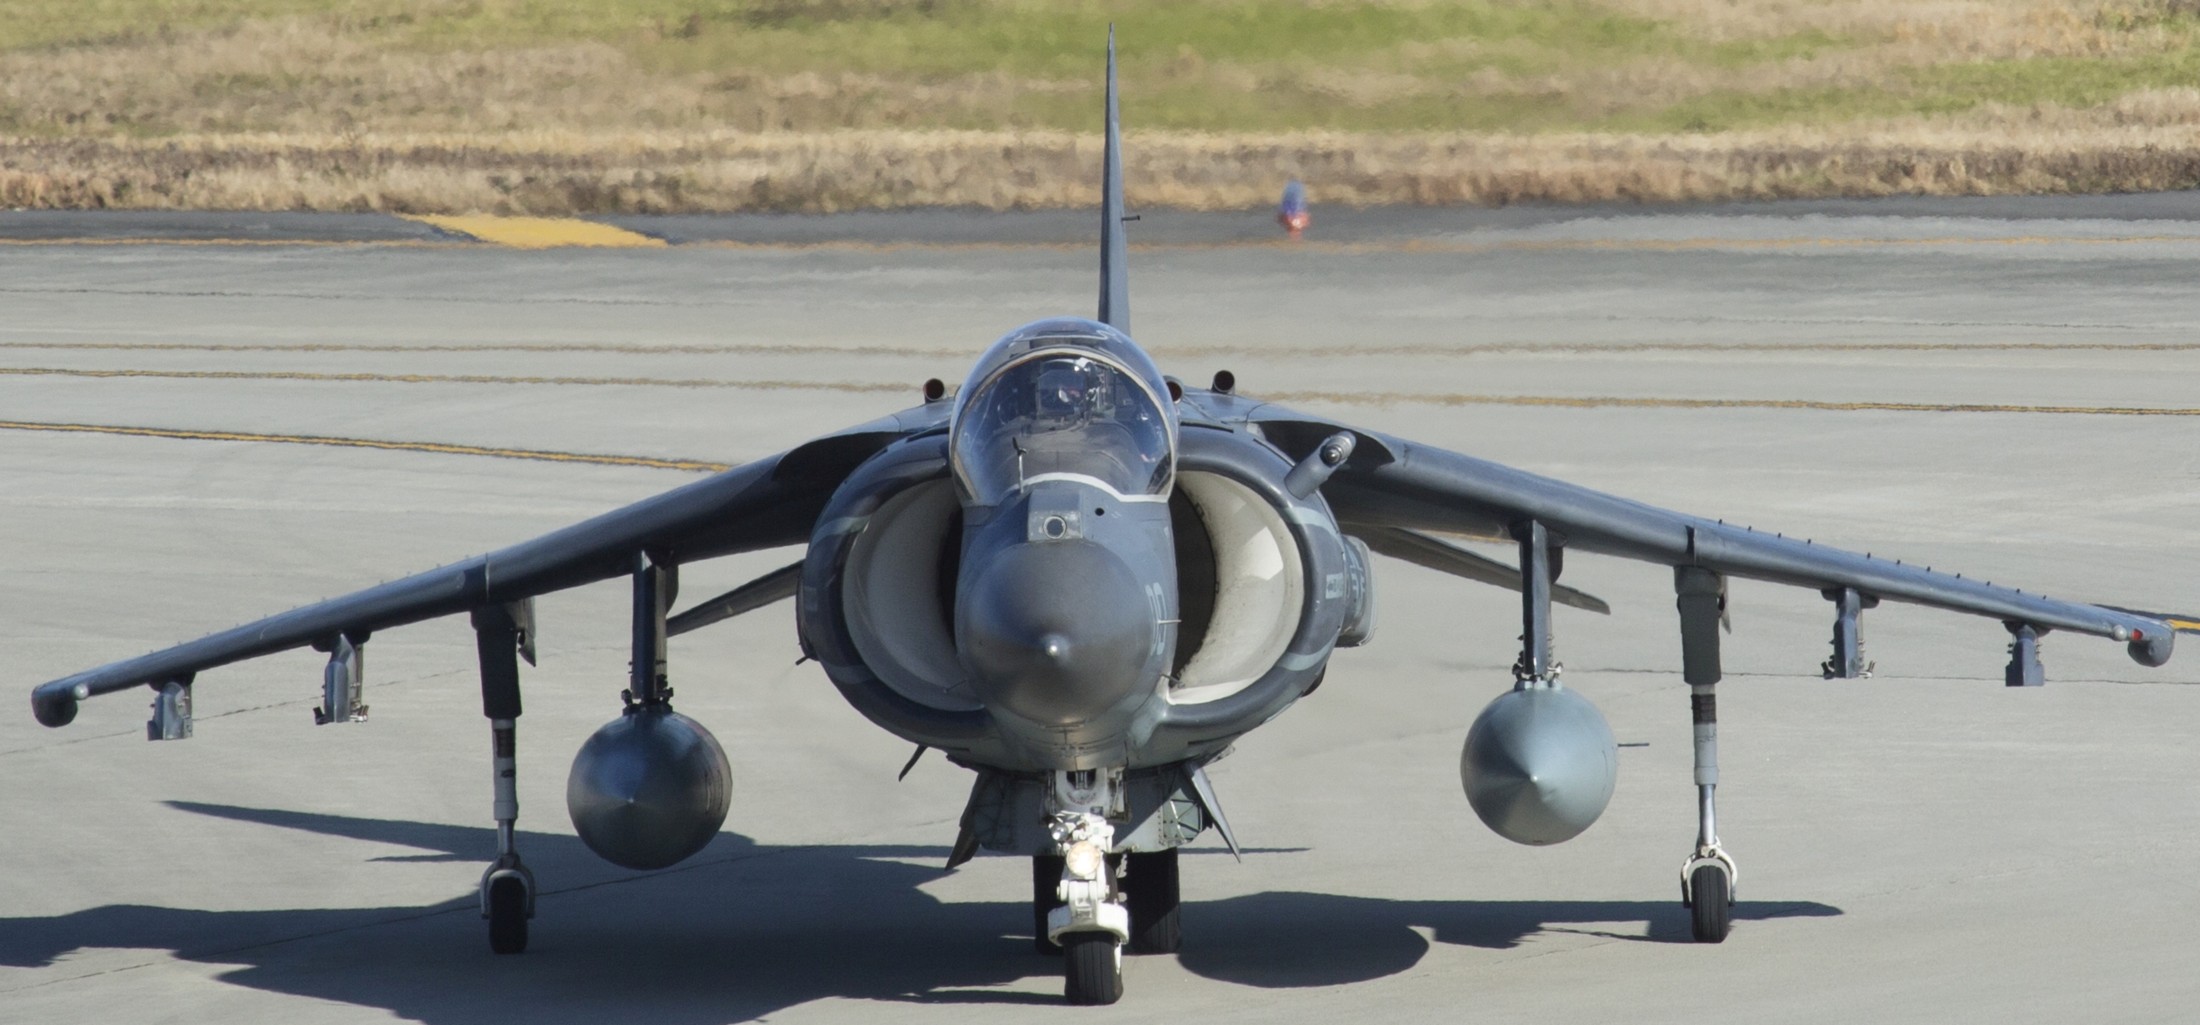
x=976, y=399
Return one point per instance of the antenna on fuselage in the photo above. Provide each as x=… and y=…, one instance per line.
x=1115, y=285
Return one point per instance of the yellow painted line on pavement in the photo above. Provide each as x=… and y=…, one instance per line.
x=441, y=448
x=2185, y=625
x=539, y=232
x=1614, y=401
x=371, y=378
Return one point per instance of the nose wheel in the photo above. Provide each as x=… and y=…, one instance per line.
x=1092, y=968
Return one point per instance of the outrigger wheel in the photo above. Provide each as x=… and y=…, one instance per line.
x=507, y=907
x=1710, y=905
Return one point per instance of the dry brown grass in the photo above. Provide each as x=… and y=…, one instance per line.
x=1716, y=99
x=2153, y=147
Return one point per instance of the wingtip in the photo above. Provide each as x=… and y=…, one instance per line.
x=2153, y=650
x=55, y=706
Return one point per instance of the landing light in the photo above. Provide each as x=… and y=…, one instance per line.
x=1085, y=859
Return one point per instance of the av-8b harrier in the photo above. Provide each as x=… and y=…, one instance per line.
x=1083, y=582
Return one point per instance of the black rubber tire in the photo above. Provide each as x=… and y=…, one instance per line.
x=1155, y=901
x=1710, y=908
x=1092, y=968
x=1046, y=876
x=507, y=915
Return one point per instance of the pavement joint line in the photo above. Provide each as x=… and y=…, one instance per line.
x=1454, y=245
x=963, y=352
x=366, y=243
x=440, y=448
x=539, y=232
x=764, y=349
x=727, y=302
x=1439, y=245
x=1346, y=397
x=202, y=716
x=262, y=294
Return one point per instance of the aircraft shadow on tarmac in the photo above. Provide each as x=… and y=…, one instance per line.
x=745, y=929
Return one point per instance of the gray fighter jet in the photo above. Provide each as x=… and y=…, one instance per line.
x=1084, y=581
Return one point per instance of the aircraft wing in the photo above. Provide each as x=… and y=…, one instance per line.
x=768, y=503
x=1391, y=483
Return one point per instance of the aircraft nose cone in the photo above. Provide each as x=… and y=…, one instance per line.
x=1539, y=765
x=1055, y=632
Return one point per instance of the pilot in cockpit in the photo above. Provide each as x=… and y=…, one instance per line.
x=1060, y=396
x=1056, y=413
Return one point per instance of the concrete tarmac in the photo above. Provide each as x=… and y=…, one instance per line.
x=2011, y=391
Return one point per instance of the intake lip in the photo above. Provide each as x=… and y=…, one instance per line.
x=1056, y=632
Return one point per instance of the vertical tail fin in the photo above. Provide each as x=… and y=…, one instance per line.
x=1115, y=286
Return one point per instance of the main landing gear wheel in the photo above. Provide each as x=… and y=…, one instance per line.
x=507, y=915
x=1046, y=877
x=1710, y=906
x=1092, y=968
x=1155, y=903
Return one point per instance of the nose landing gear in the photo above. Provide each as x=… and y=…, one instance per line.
x=1091, y=923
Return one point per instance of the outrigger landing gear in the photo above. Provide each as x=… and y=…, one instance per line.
x=501, y=637
x=1091, y=925
x=1708, y=876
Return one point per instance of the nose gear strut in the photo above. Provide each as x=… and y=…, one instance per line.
x=1092, y=923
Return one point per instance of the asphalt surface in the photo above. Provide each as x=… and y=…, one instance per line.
x=202, y=225
x=2005, y=389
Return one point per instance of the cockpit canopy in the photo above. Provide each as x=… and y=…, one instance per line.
x=1064, y=397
